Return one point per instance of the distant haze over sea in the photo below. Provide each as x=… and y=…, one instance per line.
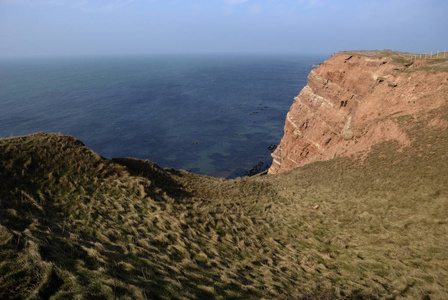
x=209, y=114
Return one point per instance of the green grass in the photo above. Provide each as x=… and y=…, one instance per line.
x=74, y=224
x=404, y=60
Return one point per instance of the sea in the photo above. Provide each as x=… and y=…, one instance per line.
x=218, y=115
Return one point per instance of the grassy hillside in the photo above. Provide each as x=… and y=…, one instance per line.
x=75, y=225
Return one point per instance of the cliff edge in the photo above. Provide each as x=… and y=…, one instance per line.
x=352, y=101
x=74, y=224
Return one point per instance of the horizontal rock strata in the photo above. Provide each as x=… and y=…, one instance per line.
x=346, y=106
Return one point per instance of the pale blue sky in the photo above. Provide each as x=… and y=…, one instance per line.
x=100, y=27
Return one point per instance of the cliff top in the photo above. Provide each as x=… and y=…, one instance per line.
x=74, y=224
x=437, y=61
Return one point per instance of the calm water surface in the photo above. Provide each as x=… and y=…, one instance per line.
x=214, y=115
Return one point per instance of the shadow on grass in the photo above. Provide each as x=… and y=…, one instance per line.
x=160, y=178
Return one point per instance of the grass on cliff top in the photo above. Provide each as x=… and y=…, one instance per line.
x=75, y=225
x=436, y=63
x=404, y=60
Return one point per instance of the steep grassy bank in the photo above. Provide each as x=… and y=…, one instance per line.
x=74, y=224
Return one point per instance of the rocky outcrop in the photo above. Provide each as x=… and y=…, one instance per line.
x=352, y=102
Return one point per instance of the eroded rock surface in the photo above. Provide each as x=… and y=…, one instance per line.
x=348, y=104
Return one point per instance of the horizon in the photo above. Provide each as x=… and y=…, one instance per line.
x=56, y=28
x=192, y=54
x=161, y=54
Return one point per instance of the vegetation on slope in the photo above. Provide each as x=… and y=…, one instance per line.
x=76, y=225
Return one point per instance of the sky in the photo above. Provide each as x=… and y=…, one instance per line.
x=136, y=27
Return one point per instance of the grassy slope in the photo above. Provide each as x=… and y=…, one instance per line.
x=73, y=224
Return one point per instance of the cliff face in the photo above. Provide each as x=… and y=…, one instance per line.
x=352, y=102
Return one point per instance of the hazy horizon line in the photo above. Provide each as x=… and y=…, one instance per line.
x=228, y=53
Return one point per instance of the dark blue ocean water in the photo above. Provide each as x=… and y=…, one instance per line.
x=211, y=114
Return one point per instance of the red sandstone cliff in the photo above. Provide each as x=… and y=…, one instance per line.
x=348, y=104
